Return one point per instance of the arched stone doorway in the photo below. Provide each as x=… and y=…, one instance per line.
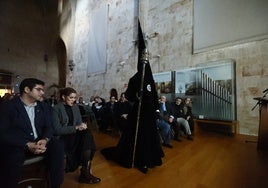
x=62, y=60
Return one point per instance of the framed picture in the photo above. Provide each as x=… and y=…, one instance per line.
x=211, y=87
x=163, y=82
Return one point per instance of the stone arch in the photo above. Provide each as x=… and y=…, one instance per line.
x=62, y=61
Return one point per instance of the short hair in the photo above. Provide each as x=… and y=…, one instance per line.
x=178, y=98
x=30, y=83
x=66, y=92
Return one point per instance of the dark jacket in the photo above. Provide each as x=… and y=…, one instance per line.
x=61, y=119
x=15, y=125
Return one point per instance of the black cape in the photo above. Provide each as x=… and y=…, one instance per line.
x=148, y=147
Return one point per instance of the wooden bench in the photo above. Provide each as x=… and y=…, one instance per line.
x=234, y=124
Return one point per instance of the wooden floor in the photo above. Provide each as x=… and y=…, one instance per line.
x=212, y=160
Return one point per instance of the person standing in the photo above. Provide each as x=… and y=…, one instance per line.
x=26, y=129
x=79, y=145
x=139, y=146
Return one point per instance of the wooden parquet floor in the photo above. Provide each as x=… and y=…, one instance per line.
x=212, y=160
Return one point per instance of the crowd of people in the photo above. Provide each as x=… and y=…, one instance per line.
x=26, y=129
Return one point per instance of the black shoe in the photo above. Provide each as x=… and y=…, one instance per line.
x=58, y=186
x=178, y=139
x=167, y=145
x=143, y=169
x=89, y=179
x=108, y=130
x=189, y=137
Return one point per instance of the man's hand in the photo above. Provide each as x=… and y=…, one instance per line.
x=37, y=147
x=42, y=145
x=124, y=116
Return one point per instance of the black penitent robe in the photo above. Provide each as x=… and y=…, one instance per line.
x=148, y=148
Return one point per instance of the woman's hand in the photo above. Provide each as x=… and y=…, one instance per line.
x=81, y=127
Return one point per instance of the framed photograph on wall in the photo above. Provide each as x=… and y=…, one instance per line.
x=185, y=82
x=163, y=82
x=211, y=87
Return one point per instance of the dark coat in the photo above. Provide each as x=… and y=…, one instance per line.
x=148, y=151
x=16, y=129
x=75, y=142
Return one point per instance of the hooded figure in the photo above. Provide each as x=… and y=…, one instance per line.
x=147, y=146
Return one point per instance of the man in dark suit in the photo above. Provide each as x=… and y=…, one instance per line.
x=164, y=121
x=164, y=106
x=26, y=129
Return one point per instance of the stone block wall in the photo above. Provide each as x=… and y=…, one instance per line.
x=171, y=49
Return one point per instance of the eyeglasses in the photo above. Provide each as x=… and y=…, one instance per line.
x=39, y=89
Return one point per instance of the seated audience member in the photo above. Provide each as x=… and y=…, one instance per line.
x=165, y=130
x=177, y=112
x=164, y=121
x=83, y=109
x=91, y=101
x=187, y=112
x=110, y=116
x=78, y=141
x=166, y=111
x=91, y=114
x=98, y=108
x=26, y=130
x=122, y=110
x=52, y=101
x=8, y=96
x=113, y=92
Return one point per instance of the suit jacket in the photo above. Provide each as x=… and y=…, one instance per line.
x=15, y=125
x=168, y=111
x=61, y=119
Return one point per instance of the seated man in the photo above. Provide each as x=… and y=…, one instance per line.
x=98, y=109
x=83, y=109
x=165, y=130
x=165, y=120
x=177, y=111
x=26, y=128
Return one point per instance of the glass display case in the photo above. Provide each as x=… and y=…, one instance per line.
x=211, y=87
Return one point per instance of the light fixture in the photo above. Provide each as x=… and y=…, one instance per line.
x=71, y=65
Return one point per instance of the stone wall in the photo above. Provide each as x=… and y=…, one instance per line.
x=29, y=30
x=171, y=50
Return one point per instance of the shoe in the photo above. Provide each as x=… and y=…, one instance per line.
x=58, y=186
x=167, y=145
x=108, y=130
x=189, y=137
x=143, y=169
x=178, y=139
x=90, y=179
